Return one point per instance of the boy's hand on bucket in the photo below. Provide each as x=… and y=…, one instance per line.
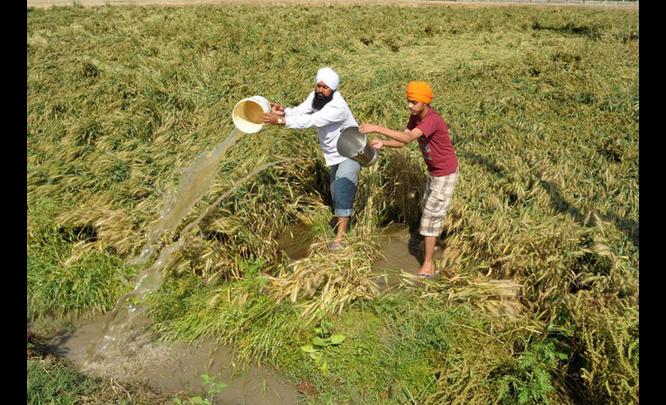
x=376, y=143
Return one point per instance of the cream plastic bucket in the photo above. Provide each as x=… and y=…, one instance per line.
x=247, y=114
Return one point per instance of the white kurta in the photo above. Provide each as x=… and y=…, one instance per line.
x=329, y=121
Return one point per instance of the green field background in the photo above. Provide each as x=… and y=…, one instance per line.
x=543, y=109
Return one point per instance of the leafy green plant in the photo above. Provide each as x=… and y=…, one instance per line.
x=528, y=380
x=320, y=342
x=213, y=388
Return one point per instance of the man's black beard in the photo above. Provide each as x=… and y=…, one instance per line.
x=320, y=100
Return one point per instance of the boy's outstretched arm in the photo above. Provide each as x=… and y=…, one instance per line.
x=392, y=143
x=402, y=137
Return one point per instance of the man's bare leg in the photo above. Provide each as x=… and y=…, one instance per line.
x=341, y=228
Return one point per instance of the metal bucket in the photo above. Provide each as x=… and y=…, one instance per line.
x=354, y=145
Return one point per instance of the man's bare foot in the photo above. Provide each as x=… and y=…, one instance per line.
x=335, y=245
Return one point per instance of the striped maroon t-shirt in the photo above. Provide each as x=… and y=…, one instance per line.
x=435, y=143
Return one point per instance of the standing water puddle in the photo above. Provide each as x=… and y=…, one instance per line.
x=117, y=344
x=401, y=251
x=296, y=241
x=176, y=367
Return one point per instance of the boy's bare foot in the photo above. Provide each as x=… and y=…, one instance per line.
x=426, y=271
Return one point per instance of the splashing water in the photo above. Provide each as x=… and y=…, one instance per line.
x=123, y=324
x=192, y=186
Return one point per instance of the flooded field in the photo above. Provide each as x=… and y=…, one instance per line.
x=401, y=251
x=173, y=368
x=138, y=211
x=119, y=346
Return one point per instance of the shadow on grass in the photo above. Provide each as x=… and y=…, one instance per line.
x=628, y=226
x=570, y=29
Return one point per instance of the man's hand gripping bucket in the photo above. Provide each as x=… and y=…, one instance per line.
x=248, y=113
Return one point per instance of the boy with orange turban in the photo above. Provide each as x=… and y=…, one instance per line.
x=432, y=133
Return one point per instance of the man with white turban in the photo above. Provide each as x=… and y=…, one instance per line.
x=326, y=109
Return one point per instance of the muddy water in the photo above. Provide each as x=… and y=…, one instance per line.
x=118, y=345
x=175, y=368
x=401, y=251
x=296, y=241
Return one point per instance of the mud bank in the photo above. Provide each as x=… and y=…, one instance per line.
x=172, y=368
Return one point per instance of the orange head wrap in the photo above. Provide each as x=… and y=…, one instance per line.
x=419, y=91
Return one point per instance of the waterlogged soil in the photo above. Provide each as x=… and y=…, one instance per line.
x=296, y=241
x=401, y=251
x=135, y=355
x=172, y=368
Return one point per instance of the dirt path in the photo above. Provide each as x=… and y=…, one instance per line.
x=93, y=3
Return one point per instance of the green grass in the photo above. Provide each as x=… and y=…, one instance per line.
x=61, y=280
x=397, y=349
x=54, y=381
x=50, y=382
x=543, y=109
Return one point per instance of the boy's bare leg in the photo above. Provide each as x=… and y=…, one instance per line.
x=428, y=266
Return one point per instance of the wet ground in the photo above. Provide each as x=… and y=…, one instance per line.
x=131, y=354
x=177, y=368
x=173, y=368
x=401, y=251
x=295, y=242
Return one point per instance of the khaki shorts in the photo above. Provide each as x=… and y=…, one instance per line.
x=436, y=201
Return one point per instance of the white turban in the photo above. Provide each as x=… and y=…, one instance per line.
x=329, y=77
